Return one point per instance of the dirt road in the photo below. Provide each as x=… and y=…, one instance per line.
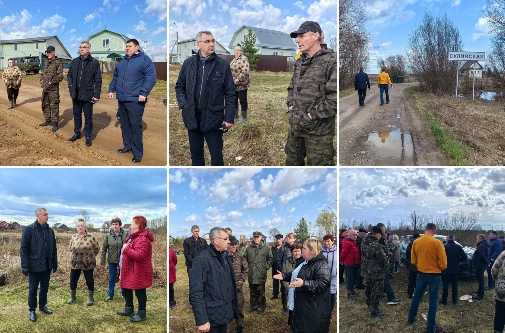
x=23, y=142
x=389, y=135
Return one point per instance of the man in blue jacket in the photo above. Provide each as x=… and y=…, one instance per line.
x=361, y=82
x=134, y=78
x=494, y=252
x=84, y=83
x=39, y=258
x=206, y=96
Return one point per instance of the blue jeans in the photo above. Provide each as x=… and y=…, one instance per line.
x=479, y=274
x=112, y=278
x=423, y=281
x=387, y=287
x=384, y=88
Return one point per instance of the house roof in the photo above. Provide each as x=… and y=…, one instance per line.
x=268, y=38
x=127, y=226
x=196, y=49
x=115, y=33
x=33, y=39
x=469, y=64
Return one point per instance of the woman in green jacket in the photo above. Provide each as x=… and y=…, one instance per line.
x=113, y=243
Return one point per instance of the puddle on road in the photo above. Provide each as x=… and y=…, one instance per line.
x=389, y=145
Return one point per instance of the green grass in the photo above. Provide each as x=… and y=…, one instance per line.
x=346, y=92
x=182, y=320
x=452, y=148
x=464, y=317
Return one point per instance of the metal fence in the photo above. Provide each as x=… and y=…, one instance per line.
x=272, y=63
x=161, y=68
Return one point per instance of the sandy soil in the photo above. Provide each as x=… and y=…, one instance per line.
x=389, y=135
x=24, y=143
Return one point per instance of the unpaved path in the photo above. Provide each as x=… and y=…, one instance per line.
x=389, y=135
x=24, y=143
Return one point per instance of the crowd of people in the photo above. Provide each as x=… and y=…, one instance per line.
x=376, y=255
x=129, y=258
x=304, y=275
x=133, y=79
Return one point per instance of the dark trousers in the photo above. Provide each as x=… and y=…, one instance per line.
x=171, y=295
x=490, y=280
x=387, y=287
x=257, y=296
x=352, y=274
x=141, y=297
x=479, y=274
x=241, y=95
x=131, y=125
x=359, y=280
x=453, y=279
x=275, y=284
x=412, y=283
x=341, y=271
x=34, y=279
x=361, y=95
x=88, y=276
x=12, y=93
x=284, y=296
x=214, y=141
x=499, y=318
x=373, y=291
x=219, y=329
x=240, y=307
x=80, y=107
x=384, y=88
x=333, y=301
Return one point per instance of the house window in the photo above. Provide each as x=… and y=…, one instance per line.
x=276, y=53
x=105, y=43
x=36, y=46
x=15, y=47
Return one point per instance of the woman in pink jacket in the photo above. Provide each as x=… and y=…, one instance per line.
x=136, y=268
x=172, y=271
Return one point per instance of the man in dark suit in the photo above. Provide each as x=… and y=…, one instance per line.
x=361, y=82
x=193, y=246
x=38, y=258
x=455, y=255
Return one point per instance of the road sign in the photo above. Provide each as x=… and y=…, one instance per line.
x=465, y=56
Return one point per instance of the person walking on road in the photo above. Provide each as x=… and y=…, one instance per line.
x=361, y=82
x=383, y=81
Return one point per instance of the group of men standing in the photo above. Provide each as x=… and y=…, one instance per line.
x=133, y=79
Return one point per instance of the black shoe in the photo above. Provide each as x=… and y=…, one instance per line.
x=47, y=123
x=55, y=127
x=33, y=316
x=382, y=104
x=454, y=302
x=261, y=309
x=46, y=310
x=252, y=309
x=88, y=141
x=360, y=287
x=75, y=137
x=478, y=297
x=274, y=297
x=387, y=102
x=438, y=329
x=442, y=302
x=123, y=150
x=136, y=159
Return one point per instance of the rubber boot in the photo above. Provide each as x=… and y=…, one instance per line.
x=14, y=104
x=72, y=297
x=128, y=311
x=243, y=117
x=90, y=300
x=11, y=104
x=141, y=315
x=375, y=312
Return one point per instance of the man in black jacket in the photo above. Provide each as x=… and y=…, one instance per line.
x=455, y=255
x=361, y=82
x=206, y=96
x=480, y=260
x=193, y=246
x=84, y=83
x=212, y=286
x=38, y=258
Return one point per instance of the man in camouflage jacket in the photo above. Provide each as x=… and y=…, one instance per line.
x=241, y=270
x=374, y=263
x=312, y=100
x=50, y=83
x=259, y=261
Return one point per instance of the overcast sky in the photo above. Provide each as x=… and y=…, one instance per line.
x=224, y=17
x=392, y=194
x=248, y=199
x=104, y=192
x=73, y=22
x=391, y=22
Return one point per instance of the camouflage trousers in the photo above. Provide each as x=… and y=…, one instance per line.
x=374, y=289
x=318, y=150
x=240, y=305
x=257, y=296
x=51, y=105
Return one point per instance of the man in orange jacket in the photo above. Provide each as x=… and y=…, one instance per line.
x=383, y=81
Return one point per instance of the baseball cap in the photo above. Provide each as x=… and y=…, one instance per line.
x=305, y=27
x=278, y=236
x=257, y=233
x=233, y=240
x=363, y=230
x=50, y=49
x=376, y=230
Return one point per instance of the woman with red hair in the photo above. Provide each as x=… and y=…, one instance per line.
x=136, y=268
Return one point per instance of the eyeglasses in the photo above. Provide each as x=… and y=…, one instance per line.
x=223, y=238
x=213, y=41
x=46, y=214
x=84, y=47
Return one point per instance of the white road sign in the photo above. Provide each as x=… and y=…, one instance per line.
x=465, y=56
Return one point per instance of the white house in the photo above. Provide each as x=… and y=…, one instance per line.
x=30, y=47
x=269, y=42
x=186, y=48
x=470, y=67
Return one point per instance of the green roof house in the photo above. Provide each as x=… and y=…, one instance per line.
x=106, y=45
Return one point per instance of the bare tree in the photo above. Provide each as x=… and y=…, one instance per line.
x=428, y=55
x=395, y=65
x=274, y=231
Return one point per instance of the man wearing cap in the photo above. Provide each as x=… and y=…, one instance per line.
x=275, y=248
x=193, y=246
x=240, y=268
x=374, y=263
x=259, y=260
x=84, y=83
x=50, y=78
x=428, y=254
x=312, y=100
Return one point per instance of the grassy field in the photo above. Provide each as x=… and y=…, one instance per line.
x=464, y=317
x=182, y=320
x=77, y=317
x=259, y=141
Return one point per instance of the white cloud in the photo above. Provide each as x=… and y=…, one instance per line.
x=385, y=44
x=234, y=215
x=455, y=3
x=300, y=5
x=177, y=177
x=140, y=28
x=106, y=2
x=191, y=218
x=481, y=29
x=158, y=31
x=194, y=8
x=285, y=198
x=89, y=17
x=71, y=31
x=53, y=22
x=158, y=8
x=172, y=207
x=292, y=209
x=194, y=184
x=318, y=9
